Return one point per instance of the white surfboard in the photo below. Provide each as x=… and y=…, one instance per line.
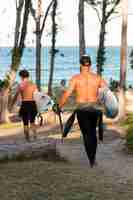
x=43, y=101
x=109, y=101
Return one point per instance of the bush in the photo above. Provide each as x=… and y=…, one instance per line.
x=127, y=122
x=113, y=85
x=128, y=125
x=1, y=84
x=129, y=138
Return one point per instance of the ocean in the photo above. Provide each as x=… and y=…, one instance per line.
x=66, y=63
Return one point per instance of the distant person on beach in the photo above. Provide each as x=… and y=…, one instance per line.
x=130, y=87
x=89, y=114
x=59, y=89
x=28, y=109
x=63, y=85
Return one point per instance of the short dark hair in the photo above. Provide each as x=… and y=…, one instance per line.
x=85, y=59
x=24, y=73
x=63, y=82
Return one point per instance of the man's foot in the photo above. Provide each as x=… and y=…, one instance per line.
x=27, y=137
x=34, y=136
x=93, y=163
x=26, y=133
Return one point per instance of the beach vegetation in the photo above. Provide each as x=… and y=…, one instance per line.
x=53, y=49
x=113, y=85
x=129, y=137
x=127, y=124
x=104, y=10
x=39, y=29
x=22, y=14
x=131, y=59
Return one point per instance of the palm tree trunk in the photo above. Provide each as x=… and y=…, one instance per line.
x=101, y=46
x=4, y=113
x=53, y=50
x=81, y=28
x=123, y=63
x=38, y=55
x=38, y=46
x=123, y=58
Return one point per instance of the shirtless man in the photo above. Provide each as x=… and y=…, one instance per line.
x=28, y=109
x=86, y=85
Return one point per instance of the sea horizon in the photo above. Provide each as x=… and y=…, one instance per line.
x=75, y=46
x=66, y=62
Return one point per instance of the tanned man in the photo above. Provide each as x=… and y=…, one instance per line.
x=28, y=109
x=86, y=85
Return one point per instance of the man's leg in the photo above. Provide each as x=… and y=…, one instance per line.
x=33, y=126
x=26, y=127
x=87, y=122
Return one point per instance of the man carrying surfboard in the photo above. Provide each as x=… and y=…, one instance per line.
x=86, y=85
x=28, y=109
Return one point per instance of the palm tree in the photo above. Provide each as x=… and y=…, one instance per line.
x=123, y=63
x=37, y=15
x=104, y=10
x=53, y=50
x=123, y=58
x=38, y=45
x=17, y=53
x=81, y=28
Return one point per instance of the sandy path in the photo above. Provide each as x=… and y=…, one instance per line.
x=111, y=157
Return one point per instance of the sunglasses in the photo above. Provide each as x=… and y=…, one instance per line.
x=86, y=64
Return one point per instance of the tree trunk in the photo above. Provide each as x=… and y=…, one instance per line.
x=122, y=104
x=81, y=28
x=101, y=50
x=4, y=114
x=53, y=50
x=38, y=55
x=18, y=21
x=17, y=53
x=123, y=63
x=101, y=47
x=39, y=32
x=38, y=45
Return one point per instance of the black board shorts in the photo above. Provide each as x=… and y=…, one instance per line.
x=28, y=112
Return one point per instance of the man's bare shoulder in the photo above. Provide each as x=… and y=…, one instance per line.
x=96, y=76
x=76, y=77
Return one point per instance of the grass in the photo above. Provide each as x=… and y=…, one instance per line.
x=128, y=121
x=10, y=125
x=41, y=180
x=129, y=138
x=128, y=125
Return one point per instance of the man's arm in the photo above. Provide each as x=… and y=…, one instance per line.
x=67, y=93
x=103, y=83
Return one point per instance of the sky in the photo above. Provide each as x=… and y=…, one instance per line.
x=68, y=26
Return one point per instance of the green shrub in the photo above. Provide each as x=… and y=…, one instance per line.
x=129, y=138
x=113, y=85
x=128, y=121
x=127, y=124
